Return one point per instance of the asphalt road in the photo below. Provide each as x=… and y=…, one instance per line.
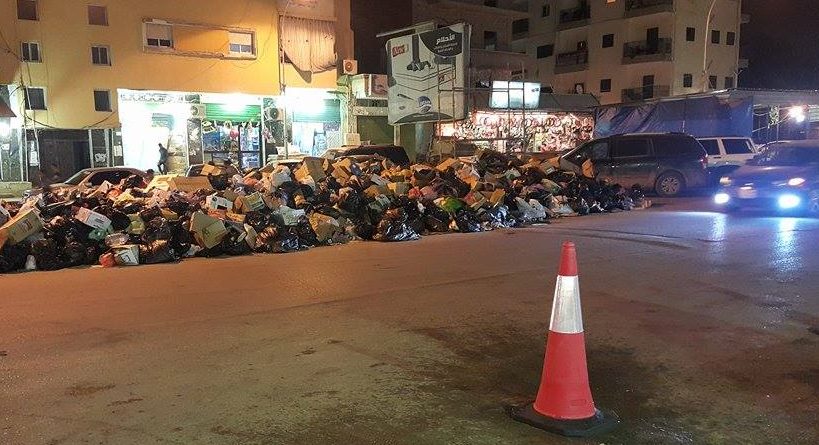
x=701, y=328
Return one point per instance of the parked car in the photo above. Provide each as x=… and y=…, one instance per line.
x=666, y=163
x=89, y=177
x=784, y=176
x=726, y=154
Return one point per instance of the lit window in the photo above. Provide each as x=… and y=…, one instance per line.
x=102, y=100
x=30, y=52
x=100, y=56
x=241, y=44
x=97, y=15
x=158, y=35
x=35, y=98
x=27, y=10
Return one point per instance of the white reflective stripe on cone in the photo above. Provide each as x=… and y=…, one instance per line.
x=566, y=315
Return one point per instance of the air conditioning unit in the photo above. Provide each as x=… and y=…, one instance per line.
x=198, y=111
x=580, y=88
x=273, y=114
x=349, y=67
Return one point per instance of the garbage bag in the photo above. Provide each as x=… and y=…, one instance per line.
x=394, y=227
x=156, y=229
x=266, y=239
x=307, y=236
x=74, y=254
x=497, y=217
x=149, y=213
x=436, y=219
x=47, y=255
x=13, y=257
x=532, y=211
x=181, y=238
x=363, y=229
x=467, y=222
x=235, y=243
x=287, y=241
x=258, y=220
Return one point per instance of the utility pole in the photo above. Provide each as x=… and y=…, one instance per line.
x=706, y=39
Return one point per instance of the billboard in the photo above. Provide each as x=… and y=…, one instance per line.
x=427, y=74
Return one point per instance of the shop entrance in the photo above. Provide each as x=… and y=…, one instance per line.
x=232, y=132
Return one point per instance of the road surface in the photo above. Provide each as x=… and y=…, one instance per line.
x=700, y=328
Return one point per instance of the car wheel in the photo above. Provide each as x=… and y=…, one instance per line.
x=670, y=184
x=813, y=203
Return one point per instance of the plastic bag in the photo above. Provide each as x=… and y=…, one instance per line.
x=266, y=239
x=47, y=255
x=74, y=254
x=394, y=227
x=13, y=257
x=436, y=219
x=467, y=222
x=156, y=229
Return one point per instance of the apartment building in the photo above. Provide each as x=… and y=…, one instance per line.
x=630, y=50
x=96, y=83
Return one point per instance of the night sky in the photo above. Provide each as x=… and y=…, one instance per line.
x=782, y=44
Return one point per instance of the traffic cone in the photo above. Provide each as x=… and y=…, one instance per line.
x=564, y=402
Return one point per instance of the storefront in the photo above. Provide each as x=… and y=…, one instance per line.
x=315, y=121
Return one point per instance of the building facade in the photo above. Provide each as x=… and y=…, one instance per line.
x=631, y=50
x=102, y=83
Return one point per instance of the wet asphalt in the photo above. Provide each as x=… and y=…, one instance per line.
x=701, y=328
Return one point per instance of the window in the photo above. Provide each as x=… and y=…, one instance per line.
x=714, y=36
x=712, y=82
x=690, y=34
x=241, y=43
x=688, y=80
x=737, y=147
x=608, y=40
x=676, y=145
x=102, y=100
x=591, y=151
x=27, y=10
x=729, y=82
x=730, y=38
x=544, y=51
x=113, y=176
x=520, y=26
x=158, y=36
x=630, y=147
x=711, y=146
x=100, y=56
x=31, y=52
x=35, y=98
x=97, y=15
x=490, y=40
x=546, y=10
x=605, y=85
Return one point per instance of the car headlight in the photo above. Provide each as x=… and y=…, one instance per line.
x=796, y=182
x=725, y=180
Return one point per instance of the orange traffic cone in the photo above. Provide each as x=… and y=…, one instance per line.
x=564, y=402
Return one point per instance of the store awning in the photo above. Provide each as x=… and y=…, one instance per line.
x=5, y=109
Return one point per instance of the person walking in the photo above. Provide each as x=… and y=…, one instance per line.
x=163, y=159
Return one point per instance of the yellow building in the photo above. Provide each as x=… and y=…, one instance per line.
x=103, y=82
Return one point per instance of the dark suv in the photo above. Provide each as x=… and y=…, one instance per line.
x=667, y=163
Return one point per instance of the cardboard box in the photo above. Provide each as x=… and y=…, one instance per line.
x=290, y=216
x=230, y=195
x=93, y=219
x=497, y=196
x=126, y=255
x=216, y=202
x=451, y=162
x=137, y=226
x=189, y=185
x=324, y=226
x=218, y=214
x=214, y=170
x=251, y=236
x=312, y=167
x=250, y=203
x=160, y=182
x=378, y=180
x=207, y=231
x=236, y=217
x=400, y=188
x=25, y=224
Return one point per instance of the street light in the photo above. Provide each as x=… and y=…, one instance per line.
x=705, y=46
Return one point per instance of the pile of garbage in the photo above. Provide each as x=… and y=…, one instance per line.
x=279, y=209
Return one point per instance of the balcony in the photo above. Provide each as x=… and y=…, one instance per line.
x=574, y=17
x=572, y=62
x=635, y=8
x=645, y=51
x=644, y=93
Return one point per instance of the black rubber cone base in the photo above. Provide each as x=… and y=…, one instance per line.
x=598, y=424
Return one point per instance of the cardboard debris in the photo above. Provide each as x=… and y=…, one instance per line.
x=92, y=219
x=126, y=255
x=207, y=230
x=312, y=167
x=215, y=202
x=25, y=224
x=189, y=185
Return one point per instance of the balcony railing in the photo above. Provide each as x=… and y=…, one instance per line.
x=574, y=17
x=643, y=93
x=636, y=8
x=572, y=62
x=647, y=51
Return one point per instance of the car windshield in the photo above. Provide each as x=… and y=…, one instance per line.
x=784, y=155
x=78, y=177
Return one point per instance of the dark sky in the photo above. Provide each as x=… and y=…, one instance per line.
x=782, y=44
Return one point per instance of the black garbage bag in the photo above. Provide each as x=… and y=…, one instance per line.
x=60, y=208
x=436, y=219
x=258, y=220
x=74, y=254
x=415, y=218
x=149, y=213
x=215, y=251
x=266, y=239
x=178, y=205
x=364, y=229
x=13, y=257
x=235, y=242
x=181, y=239
x=93, y=252
x=350, y=201
x=328, y=210
x=219, y=182
x=119, y=220
x=307, y=236
x=580, y=206
x=156, y=229
x=287, y=241
x=394, y=227
x=130, y=208
x=131, y=182
x=47, y=255
x=497, y=217
x=467, y=221
x=155, y=252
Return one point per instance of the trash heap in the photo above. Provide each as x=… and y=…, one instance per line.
x=278, y=209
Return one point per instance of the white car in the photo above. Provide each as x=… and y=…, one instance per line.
x=726, y=154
